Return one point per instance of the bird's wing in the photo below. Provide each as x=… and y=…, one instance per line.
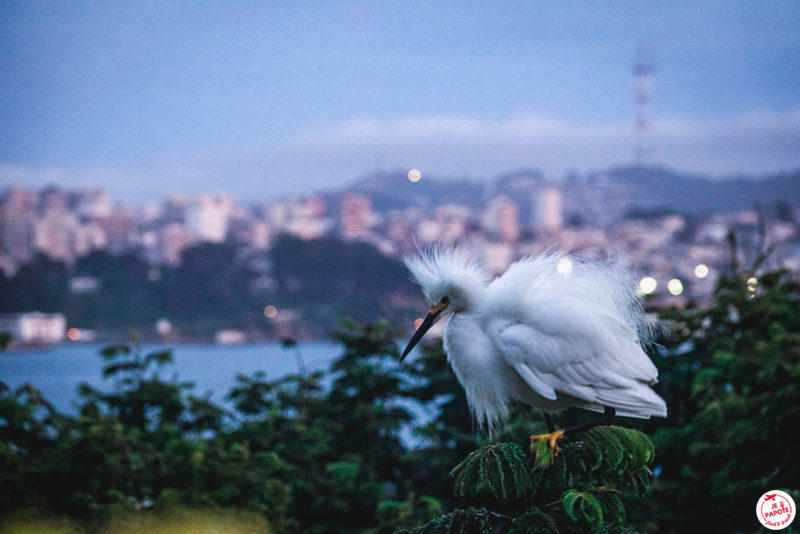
x=593, y=357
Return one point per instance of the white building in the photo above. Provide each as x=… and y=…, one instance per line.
x=302, y=217
x=548, y=209
x=209, y=217
x=34, y=327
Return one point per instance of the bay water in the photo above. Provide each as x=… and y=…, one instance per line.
x=57, y=370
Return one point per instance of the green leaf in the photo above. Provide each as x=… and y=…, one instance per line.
x=502, y=467
x=469, y=521
x=112, y=351
x=120, y=367
x=5, y=340
x=534, y=521
x=160, y=357
x=610, y=456
x=584, y=506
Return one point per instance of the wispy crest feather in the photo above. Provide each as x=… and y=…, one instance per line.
x=439, y=268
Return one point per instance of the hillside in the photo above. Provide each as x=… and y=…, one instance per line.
x=614, y=191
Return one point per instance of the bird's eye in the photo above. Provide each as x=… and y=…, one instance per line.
x=443, y=303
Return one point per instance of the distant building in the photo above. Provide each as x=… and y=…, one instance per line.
x=119, y=231
x=81, y=285
x=89, y=237
x=303, y=217
x=174, y=209
x=53, y=200
x=17, y=216
x=401, y=233
x=548, y=212
x=209, y=217
x=54, y=234
x=172, y=241
x=355, y=215
x=34, y=327
x=93, y=202
x=251, y=232
x=230, y=337
x=502, y=219
x=450, y=223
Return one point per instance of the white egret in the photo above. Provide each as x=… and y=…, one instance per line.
x=539, y=335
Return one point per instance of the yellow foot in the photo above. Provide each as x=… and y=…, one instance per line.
x=550, y=438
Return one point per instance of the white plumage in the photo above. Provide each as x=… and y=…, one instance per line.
x=548, y=338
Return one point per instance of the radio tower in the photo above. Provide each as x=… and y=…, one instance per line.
x=643, y=71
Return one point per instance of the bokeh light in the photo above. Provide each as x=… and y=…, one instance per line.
x=418, y=323
x=647, y=285
x=675, y=286
x=752, y=283
x=701, y=271
x=414, y=175
x=270, y=312
x=163, y=327
x=73, y=334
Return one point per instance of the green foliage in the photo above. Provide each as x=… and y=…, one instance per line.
x=126, y=296
x=595, y=507
x=220, y=285
x=595, y=467
x=502, y=467
x=5, y=340
x=393, y=515
x=306, y=454
x=141, y=399
x=534, y=521
x=326, y=279
x=609, y=456
x=341, y=443
x=322, y=452
x=446, y=439
x=469, y=521
x=135, y=448
x=200, y=306
x=731, y=381
x=41, y=284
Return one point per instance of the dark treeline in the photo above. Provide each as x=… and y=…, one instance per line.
x=324, y=452
x=314, y=283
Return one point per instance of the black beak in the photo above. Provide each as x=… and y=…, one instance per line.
x=426, y=325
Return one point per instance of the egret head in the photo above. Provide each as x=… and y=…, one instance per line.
x=450, y=280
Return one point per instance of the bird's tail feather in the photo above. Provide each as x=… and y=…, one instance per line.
x=641, y=402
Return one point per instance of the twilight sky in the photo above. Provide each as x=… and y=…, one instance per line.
x=265, y=99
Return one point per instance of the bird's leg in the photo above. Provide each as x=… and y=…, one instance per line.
x=606, y=418
x=530, y=499
x=548, y=419
x=551, y=436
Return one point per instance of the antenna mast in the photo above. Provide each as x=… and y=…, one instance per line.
x=643, y=71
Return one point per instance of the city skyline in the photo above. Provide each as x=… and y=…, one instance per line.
x=269, y=100
x=524, y=214
x=676, y=256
